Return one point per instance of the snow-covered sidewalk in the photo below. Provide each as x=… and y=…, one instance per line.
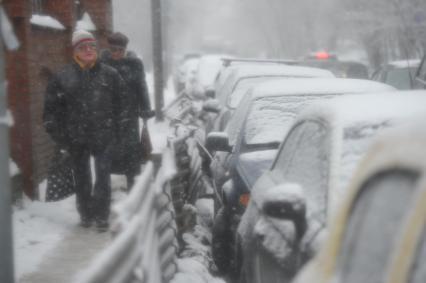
x=49, y=245
x=72, y=255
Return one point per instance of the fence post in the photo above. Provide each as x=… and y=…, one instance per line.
x=6, y=250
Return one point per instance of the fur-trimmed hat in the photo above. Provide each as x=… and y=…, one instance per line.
x=118, y=39
x=80, y=36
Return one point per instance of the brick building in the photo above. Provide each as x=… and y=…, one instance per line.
x=45, y=47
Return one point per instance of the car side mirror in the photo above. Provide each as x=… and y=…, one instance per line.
x=210, y=93
x=218, y=141
x=212, y=106
x=286, y=202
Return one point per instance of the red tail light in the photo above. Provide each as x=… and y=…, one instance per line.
x=244, y=199
x=322, y=55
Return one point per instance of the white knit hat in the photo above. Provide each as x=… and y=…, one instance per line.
x=80, y=36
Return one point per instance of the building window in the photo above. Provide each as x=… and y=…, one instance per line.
x=38, y=7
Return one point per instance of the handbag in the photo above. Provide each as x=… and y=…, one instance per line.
x=146, y=145
x=60, y=177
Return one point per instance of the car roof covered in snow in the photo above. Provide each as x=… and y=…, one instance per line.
x=280, y=69
x=412, y=63
x=356, y=120
x=374, y=108
x=309, y=86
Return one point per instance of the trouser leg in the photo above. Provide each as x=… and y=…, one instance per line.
x=102, y=189
x=131, y=175
x=130, y=181
x=83, y=183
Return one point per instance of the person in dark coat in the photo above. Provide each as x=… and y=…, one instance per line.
x=130, y=157
x=82, y=116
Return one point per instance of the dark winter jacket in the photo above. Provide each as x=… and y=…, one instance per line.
x=135, y=104
x=132, y=71
x=82, y=107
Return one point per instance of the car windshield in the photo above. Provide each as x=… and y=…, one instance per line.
x=401, y=78
x=242, y=86
x=234, y=126
x=270, y=119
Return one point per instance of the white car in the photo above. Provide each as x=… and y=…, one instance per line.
x=247, y=76
x=203, y=77
x=291, y=203
x=379, y=232
x=244, y=77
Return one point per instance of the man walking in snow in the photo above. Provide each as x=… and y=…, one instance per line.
x=81, y=114
x=136, y=104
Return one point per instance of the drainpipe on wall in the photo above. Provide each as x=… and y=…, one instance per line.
x=9, y=41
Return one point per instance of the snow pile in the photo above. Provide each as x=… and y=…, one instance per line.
x=8, y=36
x=284, y=192
x=85, y=23
x=278, y=238
x=208, y=68
x=46, y=21
x=38, y=228
x=13, y=168
x=7, y=119
x=196, y=258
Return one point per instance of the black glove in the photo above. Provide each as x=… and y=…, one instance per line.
x=147, y=114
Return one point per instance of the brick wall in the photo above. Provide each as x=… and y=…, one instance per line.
x=49, y=52
x=42, y=50
x=101, y=13
x=19, y=92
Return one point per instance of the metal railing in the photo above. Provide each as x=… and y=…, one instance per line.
x=144, y=248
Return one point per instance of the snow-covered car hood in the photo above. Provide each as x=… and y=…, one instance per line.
x=253, y=164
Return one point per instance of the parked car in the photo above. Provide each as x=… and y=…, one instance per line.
x=205, y=75
x=291, y=203
x=231, y=64
x=341, y=69
x=379, y=232
x=400, y=74
x=248, y=145
x=246, y=76
x=186, y=71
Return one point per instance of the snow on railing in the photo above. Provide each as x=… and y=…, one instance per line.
x=145, y=246
x=177, y=109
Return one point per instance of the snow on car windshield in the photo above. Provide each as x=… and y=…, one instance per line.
x=242, y=86
x=271, y=117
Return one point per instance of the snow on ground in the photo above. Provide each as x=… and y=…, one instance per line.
x=196, y=259
x=39, y=227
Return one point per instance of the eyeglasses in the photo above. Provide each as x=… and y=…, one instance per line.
x=87, y=46
x=116, y=49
